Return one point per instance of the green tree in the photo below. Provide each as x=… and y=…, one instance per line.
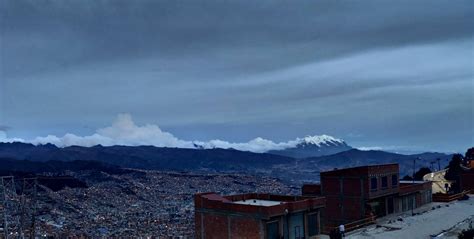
x=469, y=154
x=422, y=172
x=454, y=171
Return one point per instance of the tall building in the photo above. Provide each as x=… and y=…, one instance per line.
x=358, y=193
x=257, y=216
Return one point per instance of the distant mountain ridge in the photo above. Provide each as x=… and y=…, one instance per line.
x=313, y=146
x=53, y=166
x=23, y=156
x=147, y=157
x=355, y=157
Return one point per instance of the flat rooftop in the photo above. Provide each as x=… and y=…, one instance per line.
x=259, y=205
x=259, y=202
x=412, y=182
x=362, y=170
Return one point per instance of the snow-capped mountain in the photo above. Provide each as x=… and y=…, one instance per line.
x=313, y=146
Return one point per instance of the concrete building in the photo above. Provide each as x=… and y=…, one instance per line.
x=257, y=216
x=357, y=193
x=439, y=183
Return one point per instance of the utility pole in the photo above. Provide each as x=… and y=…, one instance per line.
x=9, y=206
x=439, y=165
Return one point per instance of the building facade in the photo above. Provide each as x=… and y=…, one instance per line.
x=257, y=216
x=467, y=179
x=358, y=193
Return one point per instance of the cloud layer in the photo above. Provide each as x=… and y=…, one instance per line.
x=124, y=131
x=395, y=72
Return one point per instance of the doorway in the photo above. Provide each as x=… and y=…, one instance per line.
x=390, y=205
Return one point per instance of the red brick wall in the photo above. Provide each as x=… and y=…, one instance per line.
x=197, y=225
x=245, y=228
x=467, y=180
x=311, y=190
x=330, y=186
x=352, y=209
x=217, y=217
x=350, y=200
x=332, y=210
x=352, y=187
x=382, y=169
x=215, y=226
x=355, y=190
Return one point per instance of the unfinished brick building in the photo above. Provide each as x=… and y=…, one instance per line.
x=358, y=193
x=257, y=216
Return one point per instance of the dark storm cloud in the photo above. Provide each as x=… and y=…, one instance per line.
x=59, y=33
x=372, y=68
x=4, y=128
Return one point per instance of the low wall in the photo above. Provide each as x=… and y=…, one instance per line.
x=442, y=197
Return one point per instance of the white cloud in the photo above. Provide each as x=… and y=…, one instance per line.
x=258, y=145
x=4, y=138
x=124, y=131
x=370, y=148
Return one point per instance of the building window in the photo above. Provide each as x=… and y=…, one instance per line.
x=273, y=230
x=313, y=224
x=373, y=184
x=394, y=180
x=384, y=182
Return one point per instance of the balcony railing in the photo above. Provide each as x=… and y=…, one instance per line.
x=443, y=197
x=351, y=226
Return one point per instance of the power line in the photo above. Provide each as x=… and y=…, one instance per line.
x=18, y=211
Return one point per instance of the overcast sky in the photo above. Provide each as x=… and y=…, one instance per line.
x=392, y=74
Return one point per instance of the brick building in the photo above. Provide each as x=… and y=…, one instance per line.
x=357, y=193
x=257, y=216
x=467, y=179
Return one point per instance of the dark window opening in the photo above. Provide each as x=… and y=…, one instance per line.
x=373, y=184
x=394, y=180
x=384, y=182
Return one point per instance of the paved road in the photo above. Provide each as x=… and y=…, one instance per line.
x=430, y=222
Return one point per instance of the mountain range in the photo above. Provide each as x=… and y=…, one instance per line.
x=355, y=157
x=290, y=163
